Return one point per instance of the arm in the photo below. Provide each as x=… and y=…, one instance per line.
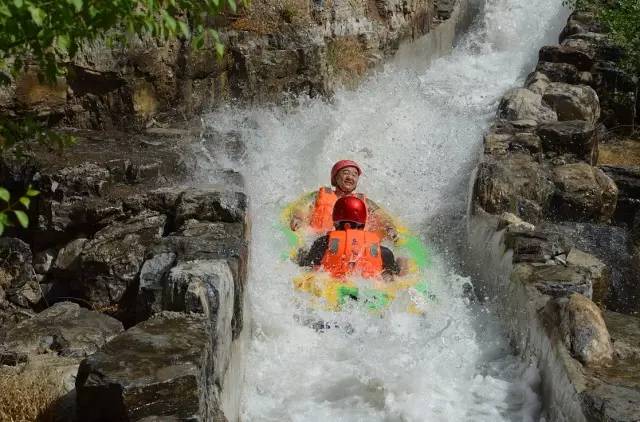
x=380, y=221
x=316, y=253
x=301, y=210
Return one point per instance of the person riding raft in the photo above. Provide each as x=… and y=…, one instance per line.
x=350, y=249
x=316, y=210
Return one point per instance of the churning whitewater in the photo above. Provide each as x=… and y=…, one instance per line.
x=416, y=130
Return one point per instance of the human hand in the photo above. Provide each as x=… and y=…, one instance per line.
x=295, y=223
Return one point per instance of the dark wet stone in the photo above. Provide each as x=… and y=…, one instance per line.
x=561, y=280
x=574, y=137
x=558, y=72
x=580, y=58
x=65, y=329
x=535, y=246
x=628, y=181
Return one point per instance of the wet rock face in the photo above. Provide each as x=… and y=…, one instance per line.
x=158, y=368
x=65, y=329
x=584, y=331
x=583, y=192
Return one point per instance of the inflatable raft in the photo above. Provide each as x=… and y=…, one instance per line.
x=329, y=293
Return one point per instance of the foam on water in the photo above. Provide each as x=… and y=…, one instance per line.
x=417, y=133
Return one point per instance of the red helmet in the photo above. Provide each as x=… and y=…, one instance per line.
x=339, y=166
x=351, y=209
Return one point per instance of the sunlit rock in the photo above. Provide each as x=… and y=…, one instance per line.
x=523, y=104
x=572, y=102
x=598, y=272
x=65, y=329
x=583, y=192
x=584, y=331
x=537, y=82
x=160, y=367
x=212, y=205
x=502, y=183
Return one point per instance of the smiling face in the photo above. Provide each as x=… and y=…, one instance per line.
x=347, y=179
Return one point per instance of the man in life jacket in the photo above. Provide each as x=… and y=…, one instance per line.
x=350, y=249
x=317, y=209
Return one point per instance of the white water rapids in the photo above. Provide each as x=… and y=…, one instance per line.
x=417, y=131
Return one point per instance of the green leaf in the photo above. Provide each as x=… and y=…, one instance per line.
x=184, y=28
x=32, y=192
x=63, y=42
x=37, y=15
x=25, y=201
x=219, y=49
x=5, y=195
x=232, y=5
x=18, y=3
x=22, y=218
x=77, y=4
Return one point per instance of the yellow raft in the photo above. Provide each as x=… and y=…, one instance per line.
x=329, y=293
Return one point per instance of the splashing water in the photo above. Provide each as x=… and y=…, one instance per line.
x=417, y=133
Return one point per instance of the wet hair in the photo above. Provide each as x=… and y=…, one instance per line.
x=340, y=225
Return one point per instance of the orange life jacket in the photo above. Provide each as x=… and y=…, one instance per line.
x=353, y=252
x=321, y=218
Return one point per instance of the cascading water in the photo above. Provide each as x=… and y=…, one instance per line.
x=416, y=130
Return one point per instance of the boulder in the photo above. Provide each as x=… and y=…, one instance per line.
x=502, y=183
x=110, y=262
x=212, y=205
x=523, y=104
x=583, y=330
x=67, y=258
x=535, y=246
x=85, y=179
x=65, y=329
x=150, y=298
x=160, y=370
x=573, y=137
x=580, y=22
x=537, y=82
x=598, y=272
x=627, y=179
x=560, y=280
x=43, y=260
x=501, y=144
x=575, y=54
x=572, y=102
x=17, y=276
x=583, y=192
x=558, y=72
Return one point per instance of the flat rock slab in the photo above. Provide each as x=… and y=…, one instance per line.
x=65, y=329
x=156, y=370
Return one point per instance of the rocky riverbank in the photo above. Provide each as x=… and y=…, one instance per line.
x=554, y=222
x=124, y=300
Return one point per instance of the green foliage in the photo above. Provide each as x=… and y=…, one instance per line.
x=11, y=212
x=621, y=18
x=51, y=32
